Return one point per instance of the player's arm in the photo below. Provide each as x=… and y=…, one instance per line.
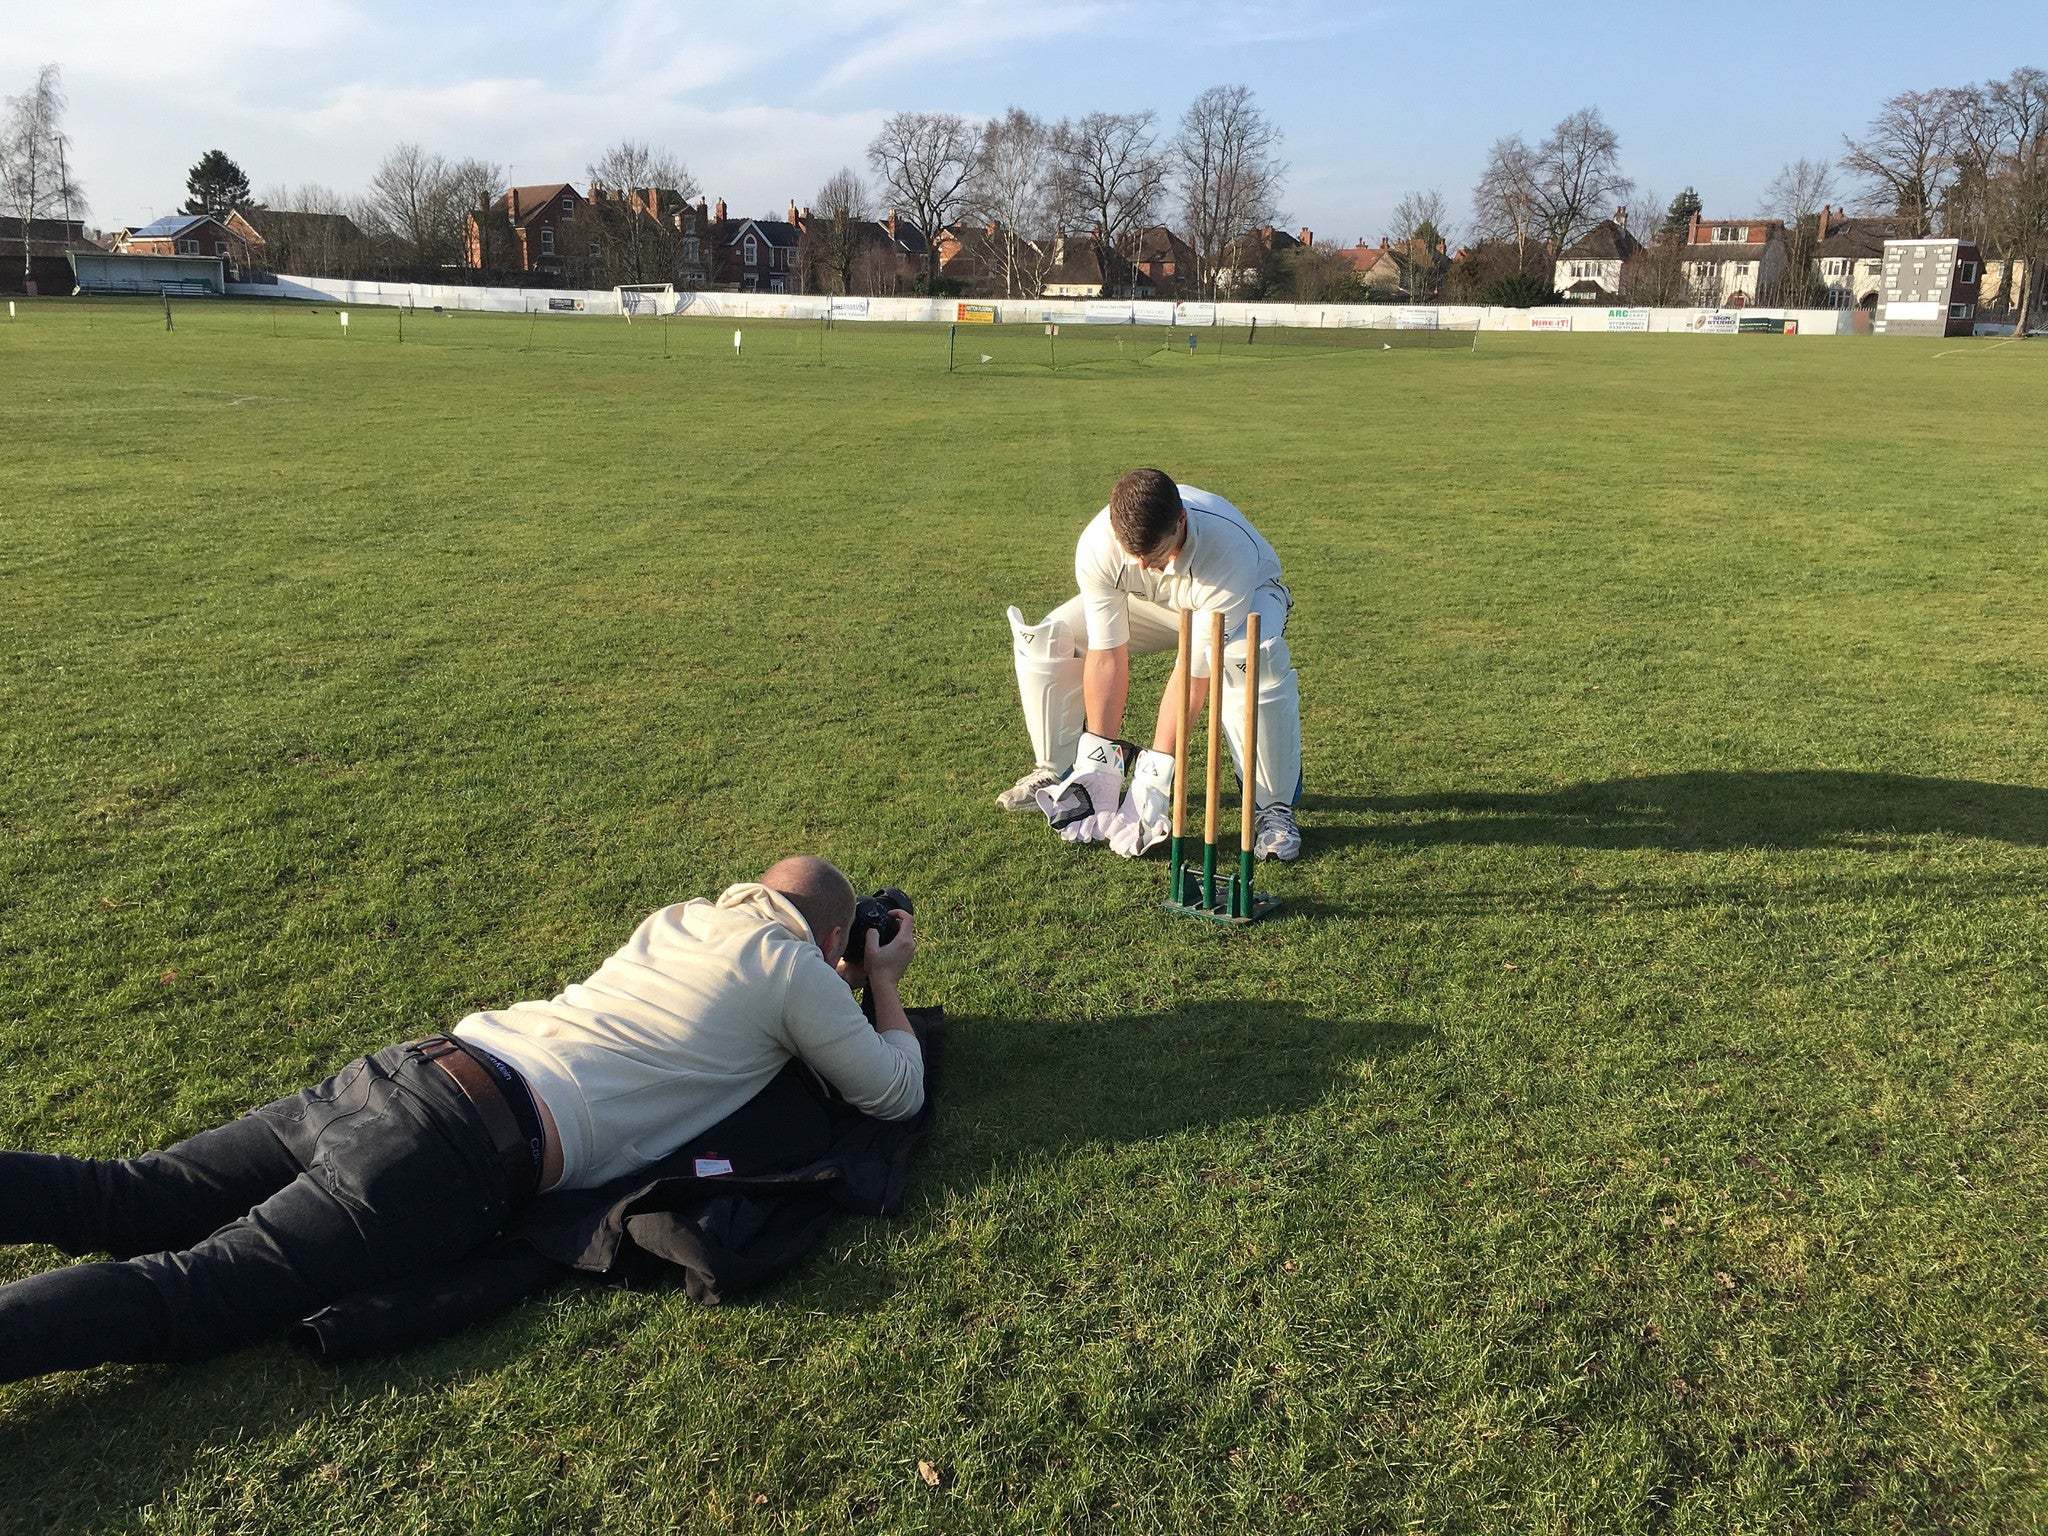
x=1105, y=688
x=1106, y=669
x=1198, y=701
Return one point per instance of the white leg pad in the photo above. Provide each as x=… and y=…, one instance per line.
x=1279, y=765
x=1048, y=658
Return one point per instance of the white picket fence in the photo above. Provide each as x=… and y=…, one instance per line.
x=778, y=306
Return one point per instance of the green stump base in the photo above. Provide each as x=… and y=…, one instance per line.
x=1197, y=890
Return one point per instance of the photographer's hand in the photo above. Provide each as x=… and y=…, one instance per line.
x=885, y=965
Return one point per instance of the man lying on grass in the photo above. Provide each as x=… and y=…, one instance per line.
x=415, y=1157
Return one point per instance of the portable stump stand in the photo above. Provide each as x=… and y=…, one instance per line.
x=1193, y=889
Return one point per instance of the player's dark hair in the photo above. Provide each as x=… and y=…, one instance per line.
x=1144, y=510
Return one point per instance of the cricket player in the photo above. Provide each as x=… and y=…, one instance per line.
x=1157, y=549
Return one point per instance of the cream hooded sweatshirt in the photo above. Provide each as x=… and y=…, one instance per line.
x=706, y=1003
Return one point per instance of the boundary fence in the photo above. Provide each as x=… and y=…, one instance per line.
x=1155, y=312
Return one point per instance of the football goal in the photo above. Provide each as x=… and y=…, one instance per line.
x=637, y=300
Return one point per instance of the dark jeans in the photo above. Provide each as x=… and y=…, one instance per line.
x=383, y=1170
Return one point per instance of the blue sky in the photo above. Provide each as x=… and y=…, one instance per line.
x=763, y=103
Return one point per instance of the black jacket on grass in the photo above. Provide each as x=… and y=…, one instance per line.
x=798, y=1156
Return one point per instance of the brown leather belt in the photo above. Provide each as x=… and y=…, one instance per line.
x=509, y=1145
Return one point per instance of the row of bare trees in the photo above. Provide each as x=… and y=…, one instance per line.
x=1970, y=161
x=1103, y=177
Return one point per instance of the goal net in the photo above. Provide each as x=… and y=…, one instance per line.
x=643, y=299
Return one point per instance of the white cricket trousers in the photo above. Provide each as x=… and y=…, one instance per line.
x=1155, y=627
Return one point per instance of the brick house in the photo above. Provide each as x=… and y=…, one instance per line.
x=758, y=255
x=232, y=239
x=1394, y=266
x=1733, y=262
x=972, y=255
x=649, y=234
x=1255, y=258
x=526, y=230
x=1162, y=264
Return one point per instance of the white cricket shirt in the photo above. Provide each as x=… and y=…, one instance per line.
x=1223, y=562
x=705, y=1004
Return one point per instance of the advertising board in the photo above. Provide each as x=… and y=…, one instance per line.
x=1628, y=320
x=1719, y=323
x=974, y=314
x=1550, y=322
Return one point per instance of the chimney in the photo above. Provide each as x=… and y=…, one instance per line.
x=792, y=212
x=653, y=200
x=718, y=211
x=1308, y=237
x=1692, y=230
x=1621, y=217
x=1384, y=243
x=892, y=236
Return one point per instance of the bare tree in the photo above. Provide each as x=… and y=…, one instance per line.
x=629, y=165
x=1797, y=194
x=1903, y=159
x=2019, y=186
x=1575, y=174
x=35, y=153
x=631, y=230
x=1115, y=171
x=415, y=202
x=1014, y=182
x=1319, y=274
x=314, y=230
x=473, y=185
x=1504, y=200
x=832, y=240
x=926, y=164
x=1419, y=219
x=1226, y=161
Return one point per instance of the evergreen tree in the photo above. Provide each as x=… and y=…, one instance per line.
x=1679, y=216
x=215, y=185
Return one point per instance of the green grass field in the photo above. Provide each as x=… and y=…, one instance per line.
x=1638, y=1122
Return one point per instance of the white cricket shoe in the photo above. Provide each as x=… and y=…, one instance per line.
x=1277, y=837
x=1023, y=795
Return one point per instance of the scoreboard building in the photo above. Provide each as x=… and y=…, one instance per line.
x=1929, y=288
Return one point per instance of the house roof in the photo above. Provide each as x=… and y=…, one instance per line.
x=272, y=221
x=775, y=231
x=172, y=226
x=1858, y=237
x=908, y=239
x=1605, y=241
x=1080, y=268
x=1156, y=242
x=528, y=201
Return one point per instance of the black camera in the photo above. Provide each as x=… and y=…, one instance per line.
x=875, y=914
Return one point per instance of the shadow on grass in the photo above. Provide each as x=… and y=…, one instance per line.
x=1693, y=812
x=1018, y=1088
